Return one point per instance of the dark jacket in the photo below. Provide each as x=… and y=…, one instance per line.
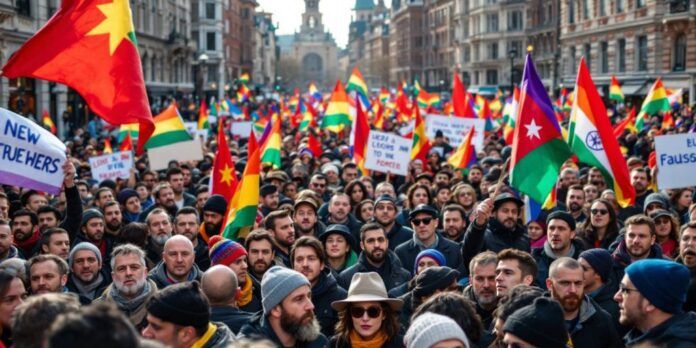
x=85, y=299
x=402, y=217
x=395, y=342
x=259, y=328
x=408, y=251
x=222, y=337
x=495, y=237
x=400, y=290
x=324, y=292
x=160, y=277
x=543, y=257
x=676, y=332
x=255, y=304
x=690, y=304
x=622, y=259
x=233, y=317
x=202, y=255
x=73, y=212
x=109, y=245
x=391, y=271
x=486, y=315
x=594, y=328
x=604, y=297
x=353, y=225
x=189, y=200
x=153, y=253
x=398, y=235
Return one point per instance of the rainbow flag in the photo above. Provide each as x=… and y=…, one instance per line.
x=244, y=78
x=270, y=148
x=465, y=156
x=655, y=102
x=131, y=129
x=243, y=94
x=510, y=115
x=383, y=95
x=241, y=212
x=48, y=122
x=421, y=145
x=426, y=100
x=615, y=92
x=356, y=83
x=203, y=122
x=308, y=116
x=484, y=113
x=337, y=114
x=169, y=129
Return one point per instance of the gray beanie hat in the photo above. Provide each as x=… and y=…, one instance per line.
x=90, y=214
x=277, y=283
x=84, y=246
x=430, y=328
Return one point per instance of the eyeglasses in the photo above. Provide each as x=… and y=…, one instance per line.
x=372, y=312
x=599, y=211
x=626, y=290
x=426, y=221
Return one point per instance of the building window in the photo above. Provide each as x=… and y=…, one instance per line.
x=467, y=54
x=492, y=23
x=604, y=57
x=586, y=52
x=23, y=7
x=491, y=77
x=571, y=12
x=621, y=55
x=642, y=53
x=515, y=21
x=585, y=10
x=210, y=41
x=640, y=3
x=493, y=51
x=210, y=10
x=679, y=53
x=619, y=6
x=602, y=11
x=573, y=63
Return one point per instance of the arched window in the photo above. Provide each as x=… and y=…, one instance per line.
x=312, y=63
x=679, y=61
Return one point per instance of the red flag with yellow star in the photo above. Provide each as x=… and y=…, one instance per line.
x=223, y=179
x=90, y=46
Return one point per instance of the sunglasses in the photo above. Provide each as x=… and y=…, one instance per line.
x=426, y=221
x=599, y=211
x=372, y=312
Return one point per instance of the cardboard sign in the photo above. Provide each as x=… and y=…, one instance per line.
x=160, y=157
x=388, y=153
x=30, y=156
x=192, y=128
x=455, y=129
x=111, y=166
x=676, y=160
x=241, y=129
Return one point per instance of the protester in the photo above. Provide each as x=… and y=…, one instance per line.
x=482, y=288
x=12, y=295
x=537, y=325
x=219, y=284
x=177, y=264
x=87, y=277
x=337, y=241
x=560, y=242
x=32, y=318
x=430, y=329
x=233, y=255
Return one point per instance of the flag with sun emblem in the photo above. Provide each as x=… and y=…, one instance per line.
x=90, y=46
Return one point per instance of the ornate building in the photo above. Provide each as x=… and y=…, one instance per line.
x=406, y=40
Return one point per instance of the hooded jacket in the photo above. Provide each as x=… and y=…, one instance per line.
x=233, y=317
x=259, y=328
x=544, y=256
x=324, y=293
x=594, y=328
x=135, y=309
x=162, y=280
x=675, y=332
x=391, y=271
x=494, y=237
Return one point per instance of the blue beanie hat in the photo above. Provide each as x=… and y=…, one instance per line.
x=433, y=254
x=663, y=283
x=600, y=260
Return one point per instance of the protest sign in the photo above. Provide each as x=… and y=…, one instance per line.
x=182, y=151
x=30, y=156
x=241, y=129
x=388, y=153
x=111, y=166
x=192, y=128
x=455, y=129
x=676, y=160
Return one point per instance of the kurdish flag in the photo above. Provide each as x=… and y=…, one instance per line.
x=465, y=156
x=48, y=122
x=241, y=213
x=337, y=114
x=223, y=180
x=592, y=139
x=270, y=149
x=169, y=129
x=655, y=102
x=615, y=92
x=426, y=100
x=538, y=148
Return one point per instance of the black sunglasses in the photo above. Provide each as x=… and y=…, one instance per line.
x=417, y=222
x=372, y=312
x=599, y=211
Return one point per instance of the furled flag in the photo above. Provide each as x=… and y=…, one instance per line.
x=484, y=113
x=223, y=179
x=360, y=132
x=169, y=129
x=48, y=122
x=270, y=147
x=337, y=114
x=241, y=212
x=615, y=92
x=356, y=83
x=107, y=146
x=510, y=115
x=461, y=100
x=421, y=145
x=244, y=78
x=403, y=109
x=626, y=123
x=99, y=39
x=591, y=137
x=465, y=156
x=538, y=148
x=126, y=144
x=379, y=116
x=203, y=122
x=667, y=120
x=655, y=102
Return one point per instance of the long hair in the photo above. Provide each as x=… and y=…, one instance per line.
x=589, y=233
x=351, y=186
x=390, y=324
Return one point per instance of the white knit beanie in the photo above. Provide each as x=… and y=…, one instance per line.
x=430, y=328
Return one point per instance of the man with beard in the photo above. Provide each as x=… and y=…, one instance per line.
x=318, y=184
x=651, y=297
x=376, y=257
x=130, y=290
x=164, y=199
x=282, y=228
x=640, y=182
x=339, y=213
x=177, y=263
x=159, y=229
x=25, y=232
x=687, y=257
x=113, y=219
x=219, y=284
x=575, y=202
x=474, y=177
x=87, y=279
x=7, y=250
x=56, y=241
x=270, y=198
x=259, y=246
x=454, y=222
x=595, y=177
x=587, y=323
x=308, y=257
x=638, y=243
x=497, y=232
x=92, y=231
x=306, y=221
x=47, y=273
x=175, y=178
x=213, y=215
x=385, y=214
x=481, y=291
x=560, y=242
x=49, y=217
x=287, y=318
x=233, y=255
x=186, y=224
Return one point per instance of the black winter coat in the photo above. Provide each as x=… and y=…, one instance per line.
x=324, y=293
x=398, y=235
x=408, y=251
x=391, y=271
x=676, y=332
x=494, y=237
x=233, y=317
x=594, y=328
x=258, y=327
x=544, y=260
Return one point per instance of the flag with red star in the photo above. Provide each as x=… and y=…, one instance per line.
x=223, y=179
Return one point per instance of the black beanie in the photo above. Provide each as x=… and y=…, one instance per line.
x=181, y=304
x=561, y=215
x=433, y=279
x=90, y=214
x=216, y=204
x=540, y=324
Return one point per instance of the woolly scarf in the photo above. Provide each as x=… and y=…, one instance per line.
x=88, y=290
x=356, y=341
x=246, y=292
x=132, y=304
x=27, y=245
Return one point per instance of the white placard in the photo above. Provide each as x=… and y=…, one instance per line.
x=676, y=160
x=455, y=129
x=241, y=129
x=388, y=153
x=111, y=166
x=160, y=157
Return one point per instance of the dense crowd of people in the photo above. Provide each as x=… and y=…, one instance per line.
x=338, y=258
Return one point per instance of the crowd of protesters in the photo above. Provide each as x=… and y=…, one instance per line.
x=439, y=258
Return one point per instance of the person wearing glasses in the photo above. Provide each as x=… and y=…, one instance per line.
x=666, y=232
x=601, y=229
x=424, y=222
x=650, y=297
x=367, y=317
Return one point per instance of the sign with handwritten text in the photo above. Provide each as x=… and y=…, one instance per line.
x=111, y=166
x=388, y=153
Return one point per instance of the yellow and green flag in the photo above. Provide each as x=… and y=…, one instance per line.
x=337, y=114
x=241, y=213
x=655, y=102
x=169, y=129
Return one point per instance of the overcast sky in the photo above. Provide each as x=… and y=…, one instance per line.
x=288, y=13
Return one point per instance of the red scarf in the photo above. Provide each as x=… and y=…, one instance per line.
x=28, y=244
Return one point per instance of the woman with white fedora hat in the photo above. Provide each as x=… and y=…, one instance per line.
x=367, y=317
